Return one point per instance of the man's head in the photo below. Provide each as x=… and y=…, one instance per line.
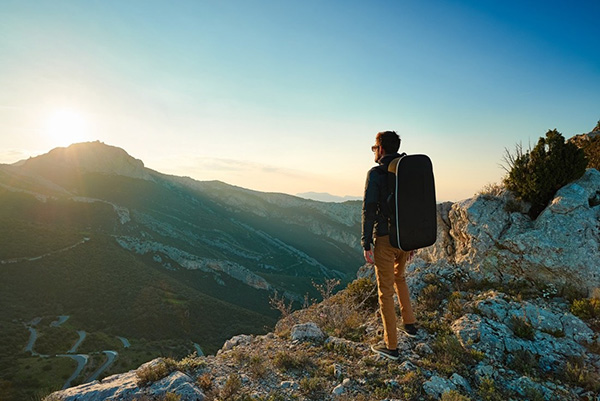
x=386, y=143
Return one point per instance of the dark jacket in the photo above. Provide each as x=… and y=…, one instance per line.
x=374, y=211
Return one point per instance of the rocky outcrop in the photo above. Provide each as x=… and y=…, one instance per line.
x=504, y=327
x=128, y=386
x=193, y=262
x=491, y=238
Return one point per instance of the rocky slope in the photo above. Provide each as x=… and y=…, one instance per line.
x=506, y=310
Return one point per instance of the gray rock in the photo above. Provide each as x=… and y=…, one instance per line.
x=289, y=384
x=460, y=382
x=392, y=383
x=177, y=383
x=307, y=332
x=437, y=386
x=557, y=335
x=337, y=370
x=233, y=342
x=338, y=390
x=423, y=349
x=408, y=366
x=483, y=370
x=576, y=329
x=524, y=386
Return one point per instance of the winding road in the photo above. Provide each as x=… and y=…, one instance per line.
x=111, y=356
x=82, y=335
x=125, y=342
x=33, y=334
x=81, y=362
x=81, y=359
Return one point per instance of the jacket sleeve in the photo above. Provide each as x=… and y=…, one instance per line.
x=369, y=208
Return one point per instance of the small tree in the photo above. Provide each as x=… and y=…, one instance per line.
x=535, y=175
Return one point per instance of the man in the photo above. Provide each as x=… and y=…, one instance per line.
x=390, y=262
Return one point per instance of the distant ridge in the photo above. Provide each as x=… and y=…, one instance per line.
x=326, y=197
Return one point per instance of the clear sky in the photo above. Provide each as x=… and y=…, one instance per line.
x=287, y=95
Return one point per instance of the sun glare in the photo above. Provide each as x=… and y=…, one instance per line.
x=65, y=127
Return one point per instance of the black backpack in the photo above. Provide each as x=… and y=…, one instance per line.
x=408, y=201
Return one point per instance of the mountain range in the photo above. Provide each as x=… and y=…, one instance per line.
x=169, y=262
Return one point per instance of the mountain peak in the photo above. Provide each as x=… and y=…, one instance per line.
x=88, y=157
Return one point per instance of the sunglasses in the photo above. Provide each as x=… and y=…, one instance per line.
x=374, y=148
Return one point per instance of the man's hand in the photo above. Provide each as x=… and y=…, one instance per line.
x=369, y=256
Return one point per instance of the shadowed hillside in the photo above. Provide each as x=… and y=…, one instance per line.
x=169, y=263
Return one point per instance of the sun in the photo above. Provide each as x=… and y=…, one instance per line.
x=66, y=126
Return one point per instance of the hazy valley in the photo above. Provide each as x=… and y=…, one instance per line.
x=170, y=264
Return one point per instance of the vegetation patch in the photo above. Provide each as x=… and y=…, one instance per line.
x=488, y=391
x=535, y=175
x=154, y=372
x=577, y=373
x=450, y=356
x=522, y=328
x=524, y=362
x=587, y=308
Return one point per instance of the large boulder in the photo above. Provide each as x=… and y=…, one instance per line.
x=493, y=239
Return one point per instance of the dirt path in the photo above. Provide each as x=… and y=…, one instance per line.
x=31, y=258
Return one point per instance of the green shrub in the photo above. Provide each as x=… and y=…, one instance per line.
x=313, y=387
x=522, y=328
x=285, y=361
x=257, y=367
x=578, y=374
x=232, y=387
x=151, y=373
x=432, y=295
x=449, y=355
x=487, y=390
x=204, y=381
x=586, y=308
x=454, y=395
x=524, y=362
x=535, y=175
x=363, y=293
x=491, y=191
x=171, y=397
x=534, y=394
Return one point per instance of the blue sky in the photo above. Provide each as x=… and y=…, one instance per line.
x=287, y=96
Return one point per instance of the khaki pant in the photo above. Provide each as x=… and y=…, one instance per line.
x=390, y=264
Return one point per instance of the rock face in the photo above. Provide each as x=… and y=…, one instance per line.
x=126, y=387
x=307, y=332
x=505, y=327
x=490, y=240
